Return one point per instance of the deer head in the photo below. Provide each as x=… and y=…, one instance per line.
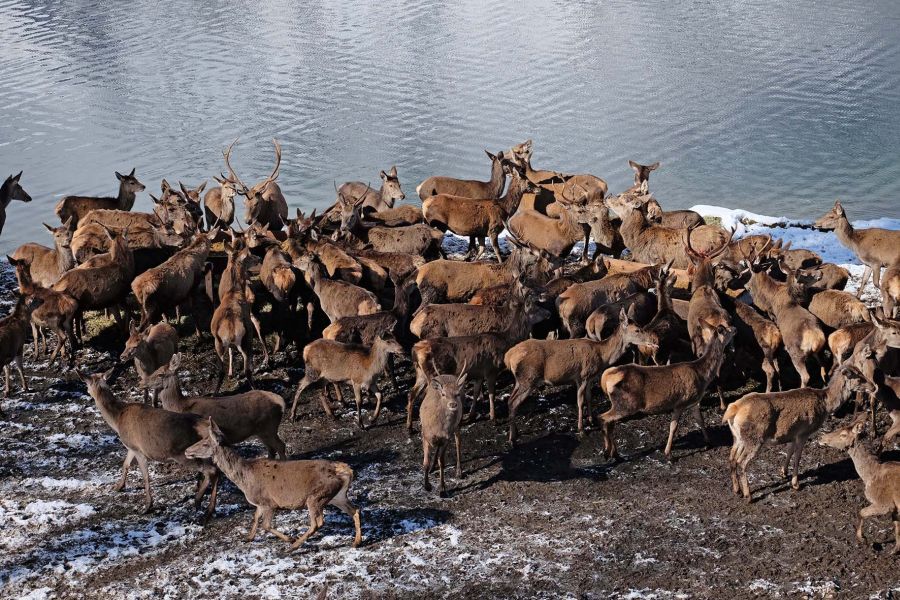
x=12, y=189
x=390, y=188
x=832, y=218
x=642, y=172
x=129, y=183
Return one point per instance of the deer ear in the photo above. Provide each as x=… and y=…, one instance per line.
x=383, y=175
x=393, y=171
x=635, y=166
x=70, y=222
x=838, y=208
x=201, y=187
x=132, y=173
x=175, y=361
x=107, y=374
x=653, y=167
x=119, y=176
x=437, y=384
x=623, y=317
x=132, y=328
x=48, y=227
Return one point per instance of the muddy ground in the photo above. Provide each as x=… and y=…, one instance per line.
x=550, y=518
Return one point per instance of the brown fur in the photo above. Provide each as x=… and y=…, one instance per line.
x=838, y=309
x=76, y=207
x=467, y=188
x=46, y=265
x=13, y=335
x=150, y=349
x=441, y=416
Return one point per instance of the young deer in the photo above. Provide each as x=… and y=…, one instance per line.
x=881, y=479
x=874, y=247
x=638, y=390
x=269, y=484
x=153, y=434
x=56, y=312
x=9, y=191
x=242, y=416
x=441, y=415
x=336, y=362
x=76, y=207
x=263, y=202
x=562, y=362
x=676, y=219
x=476, y=217
x=13, y=335
x=790, y=417
x=46, y=265
x=467, y=188
x=755, y=329
x=218, y=203
x=150, y=349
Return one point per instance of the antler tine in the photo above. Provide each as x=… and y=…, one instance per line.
x=724, y=245
x=687, y=242
x=357, y=200
x=234, y=176
x=274, y=174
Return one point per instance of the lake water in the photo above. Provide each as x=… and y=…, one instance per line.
x=777, y=107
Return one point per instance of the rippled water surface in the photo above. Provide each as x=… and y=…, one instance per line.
x=777, y=107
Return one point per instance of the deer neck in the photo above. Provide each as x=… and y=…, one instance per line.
x=378, y=357
x=236, y=468
x=125, y=197
x=866, y=464
x=110, y=407
x=845, y=233
x=498, y=179
x=703, y=276
x=711, y=360
x=632, y=225
x=510, y=202
x=836, y=393
x=611, y=349
x=5, y=193
x=65, y=260
x=170, y=394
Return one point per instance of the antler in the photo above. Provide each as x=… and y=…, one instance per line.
x=234, y=179
x=687, y=243
x=274, y=174
x=581, y=199
x=723, y=247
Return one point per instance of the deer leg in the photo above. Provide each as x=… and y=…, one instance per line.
x=698, y=415
x=230, y=362
x=142, y=463
x=341, y=502
x=785, y=468
x=315, y=518
x=587, y=241
x=492, y=389
x=476, y=396
x=873, y=510
x=21, y=374
x=744, y=457
x=268, y=526
x=34, y=334
x=357, y=396
x=798, y=452
x=894, y=429
x=588, y=404
x=495, y=244
x=415, y=393
x=579, y=395
x=481, y=248
x=769, y=370
x=252, y=535
x=308, y=379
x=798, y=359
x=867, y=272
x=373, y=389
x=732, y=467
x=673, y=427
x=427, y=463
x=6, y=389
x=459, y=471
x=392, y=372
x=721, y=395
x=518, y=395
x=248, y=364
x=442, y=485
x=256, y=326
x=129, y=457
x=609, y=418
x=211, y=507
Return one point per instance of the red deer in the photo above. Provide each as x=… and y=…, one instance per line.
x=837, y=309
x=269, y=484
x=639, y=390
x=9, y=191
x=441, y=415
x=218, y=203
x=46, y=265
x=874, y=247
x=467, y=188
x=263, y=202
x=370, y=199
x=76, y=207
x=150, y=349
x=890, y=291
x=13, y=335
x=756, y=330
x=785, y=418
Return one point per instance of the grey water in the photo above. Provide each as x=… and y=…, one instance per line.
x=776, y=107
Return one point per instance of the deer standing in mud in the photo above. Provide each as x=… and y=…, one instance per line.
x=875, y=248
x=441, y=416
x=13, y=335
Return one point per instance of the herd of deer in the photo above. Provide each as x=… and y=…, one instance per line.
x=367, y=281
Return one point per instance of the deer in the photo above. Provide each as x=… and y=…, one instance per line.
x=653, y=244
x=103, y=283
x=256, y=413
x=755, y=330
x=162, y=289
x=399, y=216
x=153, y=434
x=56, y=311
x=880, y=478
x=477, y=217
x=640, y=308
x=579, y=300
x=150, y=349
x=642, y=390
x=457, y=281
x=874, y=247
x=676, y=219
x=441, y=416
x=666, y=329
x=890, y=291
x=336, y=298
x=467, y=188
x=369, y=199
x=336, y=362
x=553, y=235
x=594, y=188
x=642, y=172
x=451, y=320
x=417, y=239
x=826, y=276
x=563, y=362
x=9, y=191
x=269, y=484
x=790, y=417
x=194, y=200
x=76, y=207
x=837, y=309
x=279, y=277
x=232, y=319
x=218, y=202
x=263, y=202
x=46, y=265
x=13, y=335
x=841, y=342
x=800, y=330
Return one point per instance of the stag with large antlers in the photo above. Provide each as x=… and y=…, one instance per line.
x=264, y=203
